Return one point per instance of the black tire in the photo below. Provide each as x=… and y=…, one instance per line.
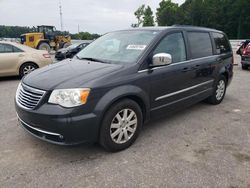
x=244, y=67
x=44, y=46
x=110, y=116
x=27, y=66
x=213, y=99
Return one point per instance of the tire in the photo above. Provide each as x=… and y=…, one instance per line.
x=113, y=131
x=27, y=68
x=44, y=46
x=219, y=91
x=244, y=67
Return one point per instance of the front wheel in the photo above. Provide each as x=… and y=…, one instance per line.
x=44, y=46
x=219, y=91
x=121, y=125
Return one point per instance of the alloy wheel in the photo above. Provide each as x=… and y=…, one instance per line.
x=123, y=126
x=220, y=90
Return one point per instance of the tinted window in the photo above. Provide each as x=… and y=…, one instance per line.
x=173, y=44
x=221, y=43
x=5, y=48
x=200, y=44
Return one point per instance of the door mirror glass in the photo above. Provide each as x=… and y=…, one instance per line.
x=161, y=59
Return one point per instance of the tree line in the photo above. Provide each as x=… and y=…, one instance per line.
x=17, y=31
x=230, y=16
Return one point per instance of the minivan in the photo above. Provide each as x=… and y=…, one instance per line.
x=122, y=80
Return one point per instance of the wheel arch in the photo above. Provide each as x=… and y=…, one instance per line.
x=225, y=73
x=123, y=92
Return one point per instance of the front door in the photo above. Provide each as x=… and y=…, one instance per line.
x=171, y=84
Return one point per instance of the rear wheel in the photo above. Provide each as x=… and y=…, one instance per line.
x=27, y=68
x=219, y=91
x=121, y=125
x=44, y=46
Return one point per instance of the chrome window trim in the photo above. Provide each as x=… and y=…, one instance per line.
x=178, y=63
x=183, y=90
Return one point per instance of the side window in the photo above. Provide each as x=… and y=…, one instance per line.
x=200, y=44
x=5, y=48
x=1, y=48
x=174, y=45
x=16, y=50
x=221, y=43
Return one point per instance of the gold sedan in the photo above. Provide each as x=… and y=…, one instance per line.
x=17, y=59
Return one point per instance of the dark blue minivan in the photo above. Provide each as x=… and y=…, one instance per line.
x=121, y=80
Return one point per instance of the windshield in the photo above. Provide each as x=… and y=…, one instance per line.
x=121, y=47
x=73, y=46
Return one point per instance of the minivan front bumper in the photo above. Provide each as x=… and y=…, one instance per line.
x=61, y=129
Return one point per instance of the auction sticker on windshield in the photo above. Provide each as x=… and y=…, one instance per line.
x=136, y=47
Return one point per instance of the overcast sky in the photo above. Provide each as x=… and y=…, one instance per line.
x=96, y=16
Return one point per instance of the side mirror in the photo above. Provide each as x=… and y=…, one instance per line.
x=161, y=59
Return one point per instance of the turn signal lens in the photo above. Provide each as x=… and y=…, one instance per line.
x=84, y=96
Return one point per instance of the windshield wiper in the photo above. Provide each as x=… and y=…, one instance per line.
x=91, y=59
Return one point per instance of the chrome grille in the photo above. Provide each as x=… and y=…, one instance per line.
x=28, y=97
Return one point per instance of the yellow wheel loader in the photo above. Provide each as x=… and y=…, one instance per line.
x=45, y=39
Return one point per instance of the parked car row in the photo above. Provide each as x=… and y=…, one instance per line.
x=19, y=60
x=70, y=51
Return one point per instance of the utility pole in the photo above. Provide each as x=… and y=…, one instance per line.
x=61, y=18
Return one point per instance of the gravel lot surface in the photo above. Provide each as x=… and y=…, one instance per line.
x=202, y=146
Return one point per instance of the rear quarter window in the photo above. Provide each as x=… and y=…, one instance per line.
x=200, y=44
x=221, y=43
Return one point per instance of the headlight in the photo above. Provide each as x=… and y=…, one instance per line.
x=69, y=97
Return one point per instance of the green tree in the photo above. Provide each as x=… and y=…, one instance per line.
x=139, y=13
x=167, y=13
x=148, y=18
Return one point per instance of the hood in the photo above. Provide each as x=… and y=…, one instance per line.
x=69, y=74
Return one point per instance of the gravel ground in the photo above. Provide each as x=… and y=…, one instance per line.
x=202, y=146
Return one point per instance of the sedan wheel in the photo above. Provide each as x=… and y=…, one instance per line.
x=27, y=68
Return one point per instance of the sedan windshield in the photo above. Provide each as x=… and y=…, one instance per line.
x=122, y=47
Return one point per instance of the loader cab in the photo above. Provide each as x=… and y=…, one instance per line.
x=48, y=31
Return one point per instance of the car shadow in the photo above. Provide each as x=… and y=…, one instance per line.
x=10, y=78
